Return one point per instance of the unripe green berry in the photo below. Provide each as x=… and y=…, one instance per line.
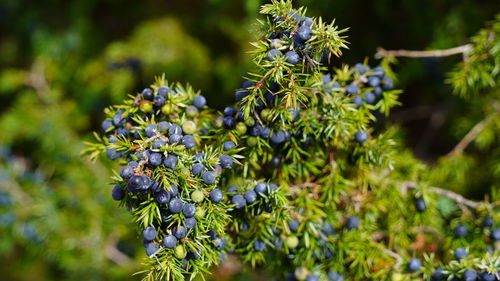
x=219, y=122
x=265, y=114
x=241, y=128
x=252, y=141
x=197, y=196
x=250, y=121
x=189, y=127
x=146, y=106
x=191, y=111
x=292, y=242
x=167, y=109
x=200, y=212
x=179, y=252
x=301, y=273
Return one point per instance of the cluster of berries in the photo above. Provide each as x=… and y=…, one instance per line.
x=460, y=231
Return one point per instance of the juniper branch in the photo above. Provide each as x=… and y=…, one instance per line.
x=463, y=49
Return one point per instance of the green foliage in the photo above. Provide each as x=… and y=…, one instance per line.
x=325, y=180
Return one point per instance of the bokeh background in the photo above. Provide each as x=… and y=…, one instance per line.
x=63, y=62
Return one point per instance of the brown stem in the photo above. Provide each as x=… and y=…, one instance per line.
x=464, y=49
x=447, y=193
x=470, y=136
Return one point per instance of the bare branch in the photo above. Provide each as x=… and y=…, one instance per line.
x=464, y=49
x=470, y=136
x=447, y=193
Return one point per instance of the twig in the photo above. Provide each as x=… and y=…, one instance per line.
x=470, y=136
x=447, y=193
x=116, y=255
x=464, y=49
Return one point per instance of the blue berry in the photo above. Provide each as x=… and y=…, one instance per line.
x=174, y=139
x=199, y=101
x=369, y=98
x=360, y=136
x=169, y=241
x=272, y=54
x=159, y=101
x=188, y=141
x=352, y=89
x=151, y=130
x=239, y=201
x=261, y=188
x=106, y=125
x=488, y=221
x=259, y=245
x=486, y=276
x=312, y=277
x=387, y=83
x=228, y=145
x=211, y=234
x=197, y=169
x=352, y=222
x=194, y=254
x=495, y=234
x=149, y=233
x=189, y=210
x=163, y=91
x=163, y=197
x=278, y=137
x=157, y=144
x=292, y=57
x=163, y=126
x=414, y=265
x=255, y=131
x=360, y=68
x=460, y=253
x=216, y=195
x=293, y=225
x=175, y=130
x=307, y=21
x=171, y=161
x=173, y=190
x=117, y=193
x=151, y=248
x=380, y=71
x=461, y=230
x=118, y=119
x=327, y=228
x=113, y=154
x=127, y=172
x=334, y=276
x=209, y=177
x=358, y=101
x=155, y=159
x=226, y=161
x=377, y=91
x=229, y=122
x=373, y=81
x=437, y=275
x=190, y=223
x=175, y=205
x=469, y=275
x=155, y=186
x=304, y=33
x=250, y=196
x=219, y=243
x=180, y=232
x=265, y=132
x=148, y=94
x=229, y=111
x=275, y=161
x=420, y=204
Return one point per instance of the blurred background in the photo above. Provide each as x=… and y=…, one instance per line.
x=63, y=62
